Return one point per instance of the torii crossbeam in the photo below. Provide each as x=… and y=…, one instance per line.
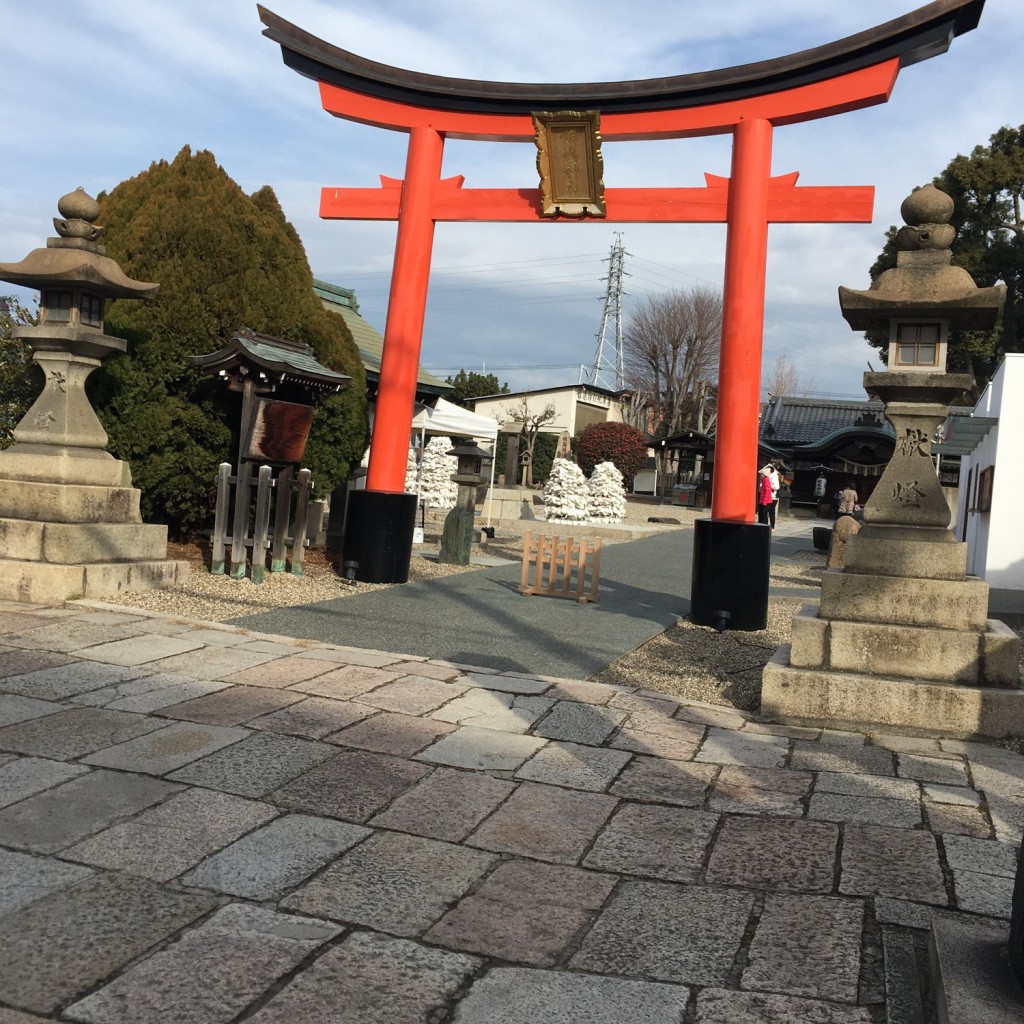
x=748, y=102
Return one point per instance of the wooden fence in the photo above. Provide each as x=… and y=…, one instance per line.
x=559, y=566
x=285, y=492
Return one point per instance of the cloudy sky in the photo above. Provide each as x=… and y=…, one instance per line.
x=95, y=90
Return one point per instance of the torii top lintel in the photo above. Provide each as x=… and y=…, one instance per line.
x=850, y=73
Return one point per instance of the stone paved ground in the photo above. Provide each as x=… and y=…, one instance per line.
x=205, y=825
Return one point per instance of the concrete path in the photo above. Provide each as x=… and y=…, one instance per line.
x=204, y=825
x=480, y=618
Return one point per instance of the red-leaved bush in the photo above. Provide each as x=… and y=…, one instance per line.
x=612, y=442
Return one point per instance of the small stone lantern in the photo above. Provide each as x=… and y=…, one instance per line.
x=457, y=537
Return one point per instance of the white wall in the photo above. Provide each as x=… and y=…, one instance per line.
x=995, y=539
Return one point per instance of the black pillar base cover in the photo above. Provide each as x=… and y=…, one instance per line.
x=731, y=563
x=378, y=535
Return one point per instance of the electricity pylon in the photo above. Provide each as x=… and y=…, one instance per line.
x=607, y=371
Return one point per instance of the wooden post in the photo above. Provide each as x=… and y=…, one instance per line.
x=261, y=527
x=220, y=519
x=301, y=512
x=241, y=520
x=282, y=516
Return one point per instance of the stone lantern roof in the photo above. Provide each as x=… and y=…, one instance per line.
x=924, y=284
x=76, y=259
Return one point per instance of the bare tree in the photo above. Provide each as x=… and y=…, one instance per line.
x=784, y=378
x=529, y=423
x=671, y=345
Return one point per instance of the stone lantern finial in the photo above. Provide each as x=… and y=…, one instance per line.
x=78, y=229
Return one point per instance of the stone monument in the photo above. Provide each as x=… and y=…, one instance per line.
x=901, y=638
x=69, y=516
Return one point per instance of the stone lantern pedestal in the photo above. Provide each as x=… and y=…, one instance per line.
x=901, y=638
x=69, y=517
x=457, y=535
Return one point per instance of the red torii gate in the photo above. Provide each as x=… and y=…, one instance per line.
x=748, y=102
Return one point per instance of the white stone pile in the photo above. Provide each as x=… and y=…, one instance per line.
x=436, y=468
x=566, y=496
x=607, y=497
x=412, y=473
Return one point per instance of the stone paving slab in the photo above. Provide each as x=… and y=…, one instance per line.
x=865, y=809
x=348, y=982
x=575, y=765
x=25, y=776
x=880, y=861
x=314, y=718
x=260, y=763
x=58, y=947
x=275, y=858
x=75, y=732
x=755, y=750
x=169, y=747
x=353, y=785
x=279, y=672
x=545, y=823
x=983, y=894
x=412, y=695
x=73, y=810
x=656, y=842
x=669, y=782
x=163, y=842
x=398, y=883
x=482, y=749
x=344, y=683
x=16, y=663
x=138, y=650
x=777, y=855
x=519, y=996
x=688, y=934
x=233, y=706
x=148, y=693
x=807, y=946
x=490, y=709
x=580, y=723
x=212, y=973
x=720, y=1006
x=59, y=682
x=391, y=733
x=14, y=708
x=25, y=879
x=446, y=805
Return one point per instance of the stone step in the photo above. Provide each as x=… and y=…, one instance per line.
x=855, y=700
x=895, y=551
x=989, y=658
x=971, y=972
x=68, y=503
x=81, y=543
x=47, y=584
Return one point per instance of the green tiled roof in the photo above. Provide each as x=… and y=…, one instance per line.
x=369, y=341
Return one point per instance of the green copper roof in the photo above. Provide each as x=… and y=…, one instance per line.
x=369, y=342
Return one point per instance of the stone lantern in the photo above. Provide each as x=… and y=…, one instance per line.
x=457, y=537
x=901, y=638
x=69, y=517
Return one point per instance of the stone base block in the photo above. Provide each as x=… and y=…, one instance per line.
x=853, y=700
x=47, y=584
x=90, y=466
x=68, y=503
x=943, y=604
x=971, y=974
x=1000, y=655
x=890, y=551
x=909, y=652
x=81, y=543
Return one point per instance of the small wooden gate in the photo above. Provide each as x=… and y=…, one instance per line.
x=559, y=566
x=289, y=527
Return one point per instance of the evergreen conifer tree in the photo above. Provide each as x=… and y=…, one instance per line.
x=224, y=260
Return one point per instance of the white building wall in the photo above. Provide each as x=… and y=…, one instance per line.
x=564, y=401
x=995, y=538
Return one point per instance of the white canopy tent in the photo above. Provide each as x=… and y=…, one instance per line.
x=448, y=419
